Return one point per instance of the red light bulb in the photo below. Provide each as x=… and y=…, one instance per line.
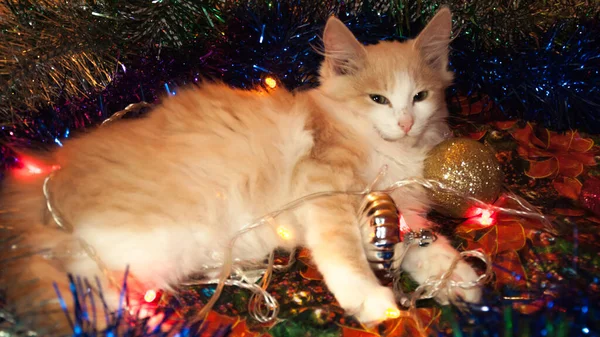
x=33, y=169
x=482, y=216
x=486, y=218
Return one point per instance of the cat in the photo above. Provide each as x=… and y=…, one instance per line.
x=165, y=193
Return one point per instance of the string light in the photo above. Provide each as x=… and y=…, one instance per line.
x=284, y=233
x=33, y=169
x=392, y=313
x=271, y=82
x=486, y=218
x=483, y=216
x=150, y=296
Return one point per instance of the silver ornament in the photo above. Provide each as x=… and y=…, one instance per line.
x=379, y=221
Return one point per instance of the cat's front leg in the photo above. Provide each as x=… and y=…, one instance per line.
x=334, y=239
x=423, y=263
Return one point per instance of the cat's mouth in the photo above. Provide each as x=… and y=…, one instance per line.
x=387, y=138
x=391, y=140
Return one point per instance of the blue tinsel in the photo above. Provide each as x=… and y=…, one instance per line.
x=556, y=84
x=90, y=308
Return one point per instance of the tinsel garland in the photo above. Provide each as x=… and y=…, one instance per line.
x=83, y=320
x=58, y=56
x=90, y=309
x=557, y=84
x=45, y=53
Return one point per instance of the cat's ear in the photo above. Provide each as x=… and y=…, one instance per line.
x=433, y=42
x=343, y=53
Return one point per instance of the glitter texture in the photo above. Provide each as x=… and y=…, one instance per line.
x=466, y=166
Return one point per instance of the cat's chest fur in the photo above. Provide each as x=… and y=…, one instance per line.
x=402, y=163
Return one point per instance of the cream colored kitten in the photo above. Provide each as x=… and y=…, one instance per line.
x=164, y=194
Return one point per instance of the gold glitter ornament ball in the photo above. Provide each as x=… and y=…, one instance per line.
x=467, y=166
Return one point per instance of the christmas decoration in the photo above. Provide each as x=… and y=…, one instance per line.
x=48, y=57
x=494, y=24
x=564, y=157
x=379, y=220
x=550, y=84
x=466, y=166
x=90, y=312
x=387, y=240
x=532, y=56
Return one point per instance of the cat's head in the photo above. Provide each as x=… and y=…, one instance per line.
x=396, y=87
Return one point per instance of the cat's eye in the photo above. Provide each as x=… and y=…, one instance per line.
x=379, y=99
x=420, y=96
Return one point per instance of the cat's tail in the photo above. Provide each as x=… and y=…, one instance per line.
x=28, y=281
x=31, y=249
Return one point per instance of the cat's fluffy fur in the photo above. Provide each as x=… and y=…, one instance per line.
x=164, y=194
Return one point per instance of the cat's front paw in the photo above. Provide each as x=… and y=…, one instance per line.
x=370, y=303
x=377, y=306
x=423, y=263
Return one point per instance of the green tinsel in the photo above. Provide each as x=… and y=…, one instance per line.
x=169, y=23
x=51, y=49
x=47, y=48
x=492, y=24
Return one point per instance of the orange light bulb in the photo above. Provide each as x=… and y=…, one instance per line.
x=271, y=82
x=392, y=313
x=284, y=233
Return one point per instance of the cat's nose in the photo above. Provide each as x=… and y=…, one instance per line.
x=405, y=125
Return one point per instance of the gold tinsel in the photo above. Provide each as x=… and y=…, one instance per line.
x=46, y=51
